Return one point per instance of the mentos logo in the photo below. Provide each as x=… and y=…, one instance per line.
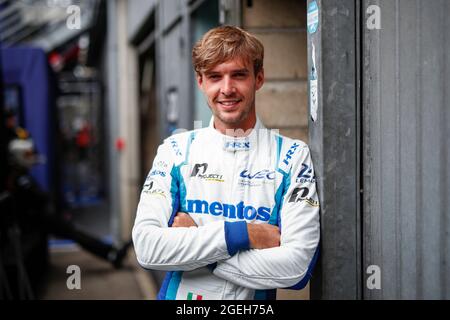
x=263, y=174
x=239, y=211
x=290, y=152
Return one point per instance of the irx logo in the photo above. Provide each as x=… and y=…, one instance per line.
x=290, y=153
x=237, y=145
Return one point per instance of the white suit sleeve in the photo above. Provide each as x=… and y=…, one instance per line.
x=160, y=247
x=290, y=264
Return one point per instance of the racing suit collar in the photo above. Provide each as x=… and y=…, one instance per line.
x=230, y=143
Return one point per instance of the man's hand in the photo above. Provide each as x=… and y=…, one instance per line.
x=182, y=219
x=263, y=236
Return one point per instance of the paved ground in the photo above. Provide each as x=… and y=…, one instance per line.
x=99, y=280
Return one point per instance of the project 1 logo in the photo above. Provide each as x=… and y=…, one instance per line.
x=199, y=171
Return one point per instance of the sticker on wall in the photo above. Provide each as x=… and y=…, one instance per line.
x=313, y=87
x=313, y=17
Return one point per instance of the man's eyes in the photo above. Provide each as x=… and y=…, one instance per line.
x=238, y=75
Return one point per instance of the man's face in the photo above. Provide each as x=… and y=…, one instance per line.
x=230, y=89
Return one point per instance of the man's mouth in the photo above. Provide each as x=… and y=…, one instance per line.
x=229, y=103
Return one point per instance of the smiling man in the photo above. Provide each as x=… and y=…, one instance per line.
x=231, y=211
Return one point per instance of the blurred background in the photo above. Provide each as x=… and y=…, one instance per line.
x=90, y=88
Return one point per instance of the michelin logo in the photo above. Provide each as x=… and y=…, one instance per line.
x=239, y=211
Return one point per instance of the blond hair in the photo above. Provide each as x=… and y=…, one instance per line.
x=225, y=43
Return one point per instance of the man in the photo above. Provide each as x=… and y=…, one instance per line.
x=230, y=210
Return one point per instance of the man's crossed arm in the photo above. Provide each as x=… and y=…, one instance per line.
x=260, y=236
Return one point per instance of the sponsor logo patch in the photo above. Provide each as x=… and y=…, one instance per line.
x=199, y=171
x=148, y=189
x=290, y=153
x=305, y=175
x=301, y=194
x=239, y=211
x=258, y=178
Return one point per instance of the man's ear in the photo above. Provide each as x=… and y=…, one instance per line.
x=199, y=79
x=260, y=79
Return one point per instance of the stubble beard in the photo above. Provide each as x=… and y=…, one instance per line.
x=234, y=121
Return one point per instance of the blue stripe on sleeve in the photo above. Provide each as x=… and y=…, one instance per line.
x=236, y=236
x=175, y=193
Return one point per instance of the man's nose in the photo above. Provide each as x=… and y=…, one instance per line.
x=227, y=87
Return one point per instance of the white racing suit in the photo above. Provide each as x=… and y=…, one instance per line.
x=225, y=183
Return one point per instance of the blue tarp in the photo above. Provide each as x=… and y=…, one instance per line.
x=28, y=68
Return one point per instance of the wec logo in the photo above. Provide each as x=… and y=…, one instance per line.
x=263, y=174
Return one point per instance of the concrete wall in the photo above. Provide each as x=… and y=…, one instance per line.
x=281, y=27
x=406, y=150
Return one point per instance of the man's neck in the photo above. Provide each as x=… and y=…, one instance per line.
x=241, y=130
